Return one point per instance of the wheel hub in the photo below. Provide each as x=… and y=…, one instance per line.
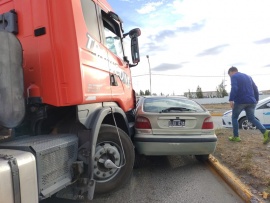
x=248, y=125
x=103, y=153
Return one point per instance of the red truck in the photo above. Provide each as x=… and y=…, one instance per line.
x=66, y=100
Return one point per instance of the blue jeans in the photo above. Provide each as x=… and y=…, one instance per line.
x=249, y=108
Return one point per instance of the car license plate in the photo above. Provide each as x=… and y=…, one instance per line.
x=176, y=123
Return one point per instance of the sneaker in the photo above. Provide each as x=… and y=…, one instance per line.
x=234, y=139
x=266, y=137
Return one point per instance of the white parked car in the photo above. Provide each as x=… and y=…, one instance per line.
x=262, y=113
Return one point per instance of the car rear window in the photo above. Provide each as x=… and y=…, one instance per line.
x=160, y=104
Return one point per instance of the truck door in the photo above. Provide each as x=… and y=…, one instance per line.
x=95, y=68
x=120, y=76
x=106, y=76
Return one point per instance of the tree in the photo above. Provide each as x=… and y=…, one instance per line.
x=199, y=93
x=221, y=91
x=189, y=94
x=147, y=92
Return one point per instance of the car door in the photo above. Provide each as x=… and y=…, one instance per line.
x=265, y=111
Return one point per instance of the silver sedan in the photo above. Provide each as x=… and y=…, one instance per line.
x=173, y=126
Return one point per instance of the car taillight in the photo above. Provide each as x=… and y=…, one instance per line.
x=208, y=123
x=142, y=123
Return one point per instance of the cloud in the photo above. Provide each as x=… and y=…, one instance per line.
x=193, y=28
x=163, y=34
x=181, y=29
x=213, y=51
x=263, y=41
x=152, y=47
x=237, y=64
x=266, y=66
x=149, y=7
x=168, y=66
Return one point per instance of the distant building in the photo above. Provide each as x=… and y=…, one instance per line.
x=265, y=92
x=207, y=94
x=214, y=94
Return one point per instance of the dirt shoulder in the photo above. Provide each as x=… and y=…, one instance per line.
x=249, y=159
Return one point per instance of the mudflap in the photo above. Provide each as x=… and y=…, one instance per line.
x=12, y=101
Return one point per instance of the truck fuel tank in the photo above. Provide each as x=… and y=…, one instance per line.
x=18, y=176
x=54, y=155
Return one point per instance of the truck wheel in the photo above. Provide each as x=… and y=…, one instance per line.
x=246, y=125
x=109, y=148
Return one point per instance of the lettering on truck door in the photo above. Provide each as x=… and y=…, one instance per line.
x=94, y=57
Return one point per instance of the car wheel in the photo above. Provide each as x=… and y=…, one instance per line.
x=121, y=154
x=203, y=157
x=246, y=125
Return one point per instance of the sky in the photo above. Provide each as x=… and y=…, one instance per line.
x=193, y=43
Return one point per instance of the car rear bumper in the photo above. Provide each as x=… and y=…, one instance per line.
x=184, y=145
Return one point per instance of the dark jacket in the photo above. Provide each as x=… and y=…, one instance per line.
x=243, y=89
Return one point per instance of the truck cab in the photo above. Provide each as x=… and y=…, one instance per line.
x=65, y=75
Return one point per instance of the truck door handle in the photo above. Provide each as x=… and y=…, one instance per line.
x=113, y=80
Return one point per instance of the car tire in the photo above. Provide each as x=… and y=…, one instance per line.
x=113, y=178
x=202, y=158
x=246, y=125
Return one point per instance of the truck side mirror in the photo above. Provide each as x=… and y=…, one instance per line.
x=135, y=50
x=134, y=34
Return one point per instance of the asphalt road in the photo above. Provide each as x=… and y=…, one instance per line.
x=172, y=179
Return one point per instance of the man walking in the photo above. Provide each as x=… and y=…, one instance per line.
x=244, y=95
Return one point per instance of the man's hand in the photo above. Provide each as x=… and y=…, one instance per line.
x=231, y=104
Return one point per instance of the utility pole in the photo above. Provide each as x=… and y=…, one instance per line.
x=149, y=74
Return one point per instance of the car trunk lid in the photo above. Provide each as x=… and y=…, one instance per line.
x=178, y=124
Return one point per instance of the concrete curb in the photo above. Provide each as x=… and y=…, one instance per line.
x=235, y=183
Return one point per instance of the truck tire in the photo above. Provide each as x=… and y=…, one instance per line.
x=109, y=147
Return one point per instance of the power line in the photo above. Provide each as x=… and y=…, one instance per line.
x=195, y=76
x=178, y=75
